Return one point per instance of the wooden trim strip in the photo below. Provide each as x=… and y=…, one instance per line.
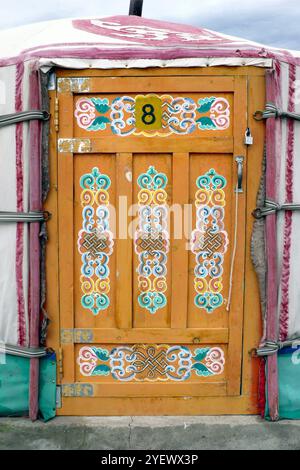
x=236, y=312
x=123, y=241
x=167, y=71
x=66, y=232
x=145, y=389
x=159, y=84
x=179, y=249
x=145, y=335
x=156, y=406
x=114, y=144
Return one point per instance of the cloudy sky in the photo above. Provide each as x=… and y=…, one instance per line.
x=274, y=22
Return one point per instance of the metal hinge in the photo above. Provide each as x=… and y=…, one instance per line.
x=74, y=146
x=77, y=390
x=60, y=363
x=73, y=85
x=56, y=115
x=76, y=335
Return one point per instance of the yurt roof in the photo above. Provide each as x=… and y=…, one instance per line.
x=128, y=38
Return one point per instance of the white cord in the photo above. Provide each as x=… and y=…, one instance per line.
x=234, y=249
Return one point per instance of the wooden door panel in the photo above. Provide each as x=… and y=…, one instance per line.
x=144, y=369
x=212, y=180
x=94, y=193
x=122, y=115
x=152, y=195
x=145, y=315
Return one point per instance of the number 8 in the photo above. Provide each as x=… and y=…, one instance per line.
x=148, y=116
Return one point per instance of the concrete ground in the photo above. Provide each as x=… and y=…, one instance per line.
x=149, y=433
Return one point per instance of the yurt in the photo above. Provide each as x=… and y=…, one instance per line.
x=149, y=212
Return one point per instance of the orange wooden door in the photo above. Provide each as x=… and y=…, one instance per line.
x=151, y=235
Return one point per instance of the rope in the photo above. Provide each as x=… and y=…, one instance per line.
x=272, y=347
x=22, y=351
x=272, y=207
x=234, y=249
x=9, y=119
x=272, y=111
x=28, y=217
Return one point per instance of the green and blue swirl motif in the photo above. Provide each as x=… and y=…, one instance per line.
x=152, y=240
x=95, y=241
x=179, y=115
x=151, y=362
x=209, y=240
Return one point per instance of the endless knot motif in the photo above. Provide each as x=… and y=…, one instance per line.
x=151, y=362
x=150, y=244
x=152, y=240
x=209, y=240
x=95, y=241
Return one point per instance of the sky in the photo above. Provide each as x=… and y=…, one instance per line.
x=271, y=22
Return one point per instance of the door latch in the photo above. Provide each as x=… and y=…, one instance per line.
x=239, y=160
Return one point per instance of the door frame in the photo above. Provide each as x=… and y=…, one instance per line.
x=246, y=402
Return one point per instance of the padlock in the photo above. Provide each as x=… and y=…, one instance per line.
x=248, y=137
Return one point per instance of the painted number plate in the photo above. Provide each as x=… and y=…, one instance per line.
x=148, y=112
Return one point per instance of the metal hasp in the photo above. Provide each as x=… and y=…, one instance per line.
x=136, y=7
x=239, y=160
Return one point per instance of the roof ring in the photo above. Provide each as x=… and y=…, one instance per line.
x=46, y=115
x=258, y=115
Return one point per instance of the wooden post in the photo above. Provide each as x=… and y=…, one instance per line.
x=272, y=283
x=136, y=7
x=34, y=241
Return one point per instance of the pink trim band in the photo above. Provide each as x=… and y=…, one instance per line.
x=100, y=51
x=273, y=92
x=20, y=208
x=34, y=244
x=289, y=181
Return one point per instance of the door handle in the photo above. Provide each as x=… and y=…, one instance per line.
x=240, y=161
